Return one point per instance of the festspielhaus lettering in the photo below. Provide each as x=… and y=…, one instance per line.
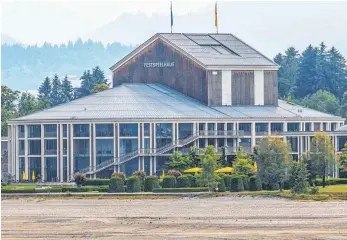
x=158, y=64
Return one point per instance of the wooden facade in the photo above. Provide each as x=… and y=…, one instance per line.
x=185, y=76
x=242, y=87
x=214, y=79
x=270, y=88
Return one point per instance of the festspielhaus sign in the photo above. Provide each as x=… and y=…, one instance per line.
x=158, y=64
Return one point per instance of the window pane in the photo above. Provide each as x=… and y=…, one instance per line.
x=163, y=134
x=307, y=127
x=293, y=127
x=64, y=130
x=64, y=169
x=21, y=147
x=81, y=130
x=146, y=129
x=34, y=166
x=21, y=167
x=50, y=130
x=246, y=127
x=21, y=131
x=104, y=130
x=51, y=147
x=51, y=169
x=81, y=147
x=128, y=129
x=276, y=127
x=127, y=146
x=293, y=141
x=34, y=147
x=34, y=131
x=185, y=130
x=64, y=146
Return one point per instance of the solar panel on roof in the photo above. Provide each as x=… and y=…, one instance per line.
x=203, y=40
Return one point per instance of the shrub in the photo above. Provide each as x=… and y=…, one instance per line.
x=254, y=183
x=97, y=182
x=3, y=183
x=245, y=181
x=236, y=183
x=169, y=182
x=116, y=184
x=287, y=185
x=330, y=181
x=118, y=174
x=133, y=184
x=183, y=181
x=313, y=190
x=151, y=182
x=273, y=186
x=197, y=189
x=174, y=173
x=140, y=174
x=221, y=185
x=80, y=179
x=192, y=180
x=227, y=182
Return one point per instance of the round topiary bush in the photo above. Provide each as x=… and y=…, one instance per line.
x=133, y=184
x=192, y=180
x=183, y=181
x=221, y=185
x=227, y=182
x=141, y=174
x=116, y=184
x=80, y=179
x=151, y=182
x=169, y=182
x=236, y=183
x=118, y=174
x=254, y=183
x=245, y=181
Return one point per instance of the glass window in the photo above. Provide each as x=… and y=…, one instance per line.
x=324, y=126
x=34, y=131
x=64, y=130
x=304, y=147
x=220, y=142
x=130, y=167
x=128, y=129
x=210, y=141
x=341, y=140
x=147, y=165
x=127, y=146
x=34, y=166
x=21, y=147
x=261, y=127
x=293, y=141
x=81, y=130
x=230, y=126
x=50, y=147
x=316, y=127
x=276, y=127
x=293, y=127
x=51, y=169
x=307, y=127
x=201, y=126
x=147, y=144
x=81, y=147
x=21, y=167
x=64, y=146
x=185, y=130
x=50, y=130
x=21, y=131
x=104, y=147
x=104, y=130
x=146, y=129
x=34, y=147
x=246, y=127
x=163, y=134
x=210, y=126
x=220, y=126
x=202, y=143
x=333, y=126
x=64, y=169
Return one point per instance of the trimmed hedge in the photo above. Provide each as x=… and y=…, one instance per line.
x=227, y=182
x=330, y=181
x=254, y=183
x=116, y=184
x=97, y=182
x=183, y=182
x=150, y=183
x=221, y=185
x=169, y=182
x=57, y=189
x=196, y=189
x=245, y=181
x=192, y=180
x=236, y=183
x=133, y=184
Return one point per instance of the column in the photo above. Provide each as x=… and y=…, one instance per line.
x=215, y=133
x=206, y=134
x=60, y=149
x=43, y=177
x=58, y=153
x=143, y=163
x=115, y=145
x=71, y=152
x=235, y=140
x=90, y=146
x=252, y=134
x=26, y=168
x=259, y=87
x=68, y=156
x=226, y=134
x=16, y=159
x=150, y=166
x=94, y=149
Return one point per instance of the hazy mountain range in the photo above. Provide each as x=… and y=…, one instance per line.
x=270, y=27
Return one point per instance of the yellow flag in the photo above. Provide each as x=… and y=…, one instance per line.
x=163, y=174
x=215, y=16
x=255, y=167
x=33, y=178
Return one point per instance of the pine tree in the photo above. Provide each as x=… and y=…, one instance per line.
x=337, y=73
x=307, y=73
x=67, y=91
x=27, y=104
x=322, y=69
x=98, y=76
x=87, y=84
x=45, y=89
x=56, y=94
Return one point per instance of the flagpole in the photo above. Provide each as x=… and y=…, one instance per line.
x=171, y=15
x=216, y=16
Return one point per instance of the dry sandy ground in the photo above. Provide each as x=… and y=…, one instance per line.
x=187, y=218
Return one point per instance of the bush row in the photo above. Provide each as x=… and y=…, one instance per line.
x=97, y=182
x=194, y=189
x=56, y=189
x=331, y=181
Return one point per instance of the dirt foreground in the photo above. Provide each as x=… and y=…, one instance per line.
x=186, y=218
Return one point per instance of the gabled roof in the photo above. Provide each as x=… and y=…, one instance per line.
x=145, y=102
x=209, y=50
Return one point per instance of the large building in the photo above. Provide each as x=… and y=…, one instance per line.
x=172, y=92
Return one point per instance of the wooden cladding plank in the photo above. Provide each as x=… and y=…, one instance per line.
x=242, y=87
x=185, y=76
x=270, y=88
x=214, y=87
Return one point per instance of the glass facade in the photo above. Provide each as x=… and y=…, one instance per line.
x=316, y=127
x=104, y=130
x=104, y=150
x=34, y=165
x=276, y=127
x=230, y=126
x=293, y=127
x=64, y=146
x=127, y=146
x=130, y=167
x=34, y=131
x=261, y=128
x=128, y=130
x=50, y=147
x=21, y=131
x=81, y=154
x=50, y=130
x=163, y=134
x=64, y=169
x=34, y=147
x=146, y=128
x=51, y=169
x=246, y=127
x=81, y=130
x=185, y=130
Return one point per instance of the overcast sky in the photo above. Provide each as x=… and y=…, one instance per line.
x=269, y=26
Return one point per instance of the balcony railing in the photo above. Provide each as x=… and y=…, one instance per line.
x=221, y=133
